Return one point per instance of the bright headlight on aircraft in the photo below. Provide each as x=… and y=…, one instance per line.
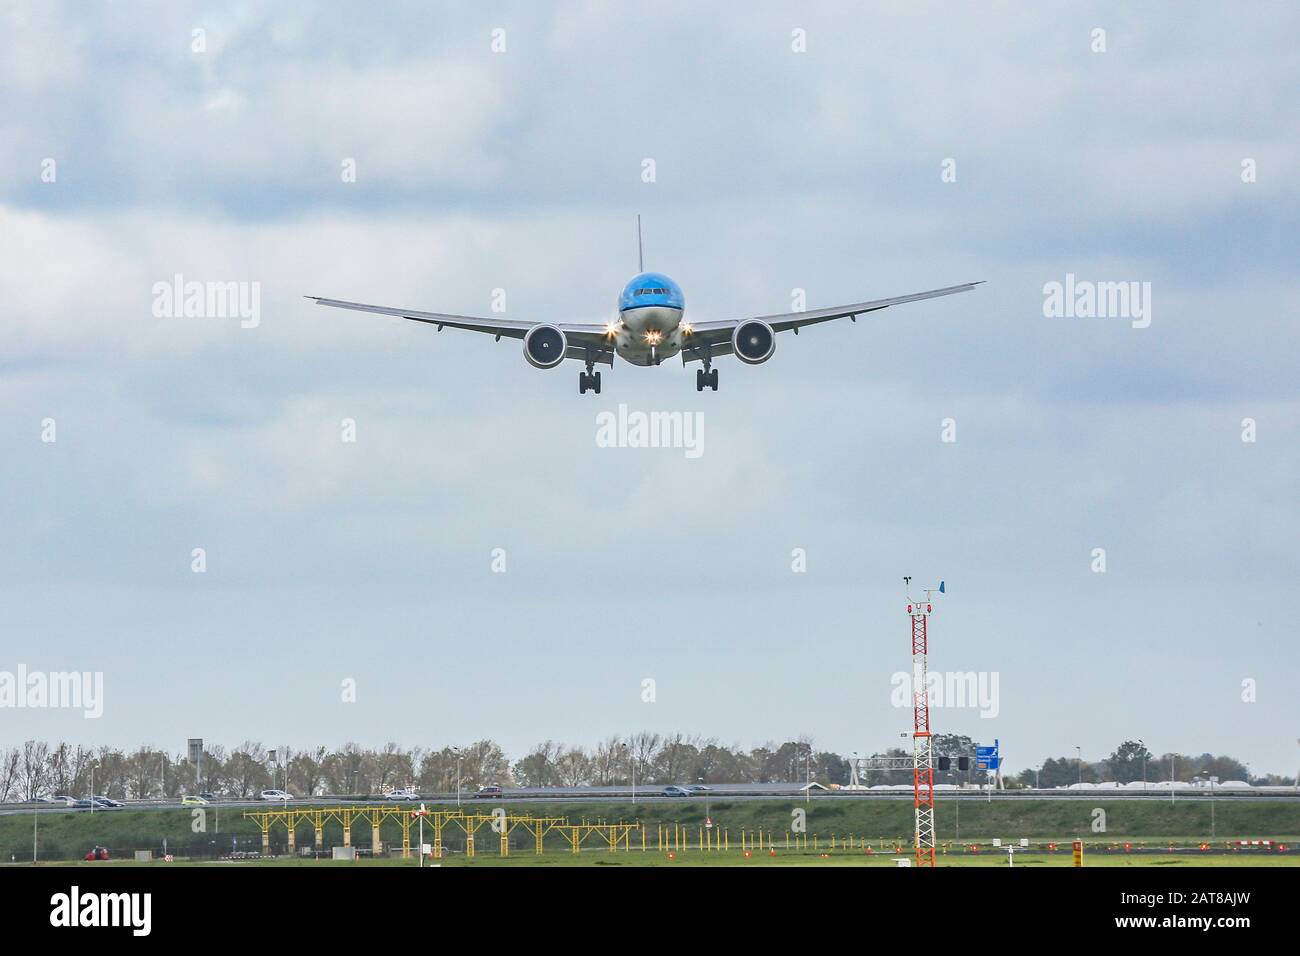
x=611, y=328
x=687, y=328
x=652, y=337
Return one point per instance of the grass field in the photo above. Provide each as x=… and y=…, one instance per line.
x=884, y=824
x=652, y=858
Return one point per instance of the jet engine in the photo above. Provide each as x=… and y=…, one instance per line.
x=544, y=346
x=753, y=342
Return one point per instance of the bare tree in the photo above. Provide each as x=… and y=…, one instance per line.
x=59, y=769
x=142, y=772
x=574, y=767
x=608, y=761
x=306, y=771
x=111, y=772
x=438, y=770
x=483, y=763
x=35, y=768
x=10, y=763
x=393, y=766
x=245, y=771
x=644, y=750
x=538, y=768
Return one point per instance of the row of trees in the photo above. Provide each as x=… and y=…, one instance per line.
x=1132, y=761
x=38, y=769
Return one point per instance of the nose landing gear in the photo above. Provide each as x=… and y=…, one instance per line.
x=706, y=377
x=588, y=380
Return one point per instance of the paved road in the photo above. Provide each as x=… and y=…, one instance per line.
x=717, y=796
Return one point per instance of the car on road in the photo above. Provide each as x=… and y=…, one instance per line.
x=64, y=799
x=193, y=801
x=81, y=804
x=699, y=788
x=676, y=791
x=104, y=803
x=207, y=795
x=491, y=790
x=403, y=793
x=274, y=795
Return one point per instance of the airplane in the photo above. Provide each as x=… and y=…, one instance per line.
x=650, y=327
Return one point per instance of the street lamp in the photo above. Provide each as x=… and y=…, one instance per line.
x=631, y=759
x=1079, y=761
x=807, y=789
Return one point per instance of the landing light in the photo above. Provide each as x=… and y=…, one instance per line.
x=652, y=337
x=611, y=328
x=687, y=328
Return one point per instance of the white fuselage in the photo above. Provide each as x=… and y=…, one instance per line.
x=649, y=334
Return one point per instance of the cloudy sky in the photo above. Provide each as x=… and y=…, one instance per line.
x=133, y=149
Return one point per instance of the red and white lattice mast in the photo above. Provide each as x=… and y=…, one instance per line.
x=922, y=752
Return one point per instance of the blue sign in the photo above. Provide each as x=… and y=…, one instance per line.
x=986, y=758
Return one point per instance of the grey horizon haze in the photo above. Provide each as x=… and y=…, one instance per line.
x=499, y=156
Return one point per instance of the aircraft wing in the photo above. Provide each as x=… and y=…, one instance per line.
x=717, y=335
x=582, y=338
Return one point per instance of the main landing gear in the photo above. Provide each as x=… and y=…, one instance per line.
x=706, y=377
x=588, y=380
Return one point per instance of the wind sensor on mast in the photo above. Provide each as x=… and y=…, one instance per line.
x=922, y=751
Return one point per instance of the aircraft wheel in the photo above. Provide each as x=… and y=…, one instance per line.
x=595, y=382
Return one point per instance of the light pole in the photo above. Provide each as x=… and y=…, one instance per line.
x=631, y=759
x=1079, y=761
x=1144, y=765
x=458, y=758
x=92, y=789
x=421, y=814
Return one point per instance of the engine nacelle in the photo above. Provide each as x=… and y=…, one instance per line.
x=753, y=342
x=544, y=346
